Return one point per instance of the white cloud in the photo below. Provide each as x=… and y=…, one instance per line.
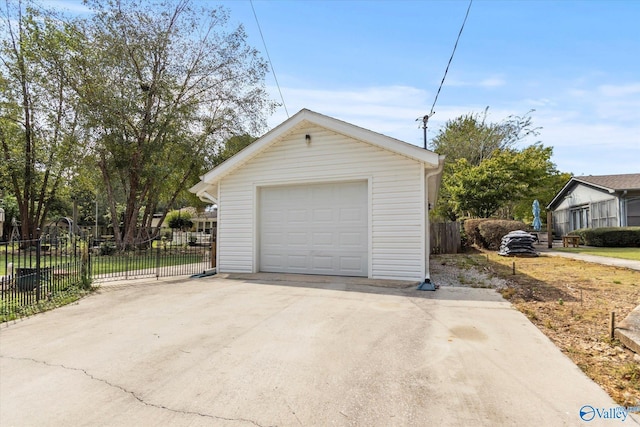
x=619, y=90
x=593, y=136
x=489, y=82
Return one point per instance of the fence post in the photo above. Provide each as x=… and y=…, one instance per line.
x=213, y=250
x=157, y=257
x=38, y=254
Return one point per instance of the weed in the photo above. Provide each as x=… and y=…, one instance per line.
x=548, y=324
x=530, y=314
x=631, y=372
x=507, y=293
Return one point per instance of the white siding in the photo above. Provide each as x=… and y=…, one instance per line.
x=396, y=188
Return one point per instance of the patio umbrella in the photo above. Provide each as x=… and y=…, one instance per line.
x=537, y=225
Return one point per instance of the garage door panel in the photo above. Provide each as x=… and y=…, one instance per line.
x=351, y=263
x=352, y=215
x=323, y=215
x=271, y=261
x=351, y=240
x=297, y=261
x=322, y=239
x=297, y=215
x=271, y=239
x=324, y=227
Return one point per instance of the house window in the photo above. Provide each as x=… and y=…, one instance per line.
x=580, y=218
x=603, y=214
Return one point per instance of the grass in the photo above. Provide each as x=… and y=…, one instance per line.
x=121, y=263
x=116, y=263
x=12, y=310
x=622, y=253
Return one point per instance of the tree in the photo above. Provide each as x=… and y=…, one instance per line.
x=470, y=137
x=506, y=176
x=161, y=86
x=485, y=174
x=38, y=126
x=179, y=220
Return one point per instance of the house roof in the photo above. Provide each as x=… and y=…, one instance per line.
x=301, y=118
x=606, y=183
x=629, y=181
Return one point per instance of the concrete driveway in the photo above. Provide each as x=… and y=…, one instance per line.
x=268, y=350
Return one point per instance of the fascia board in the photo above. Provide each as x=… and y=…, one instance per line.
x=560, y=194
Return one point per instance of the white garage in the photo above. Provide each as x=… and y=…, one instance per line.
x=317, y=195
x=314, y=229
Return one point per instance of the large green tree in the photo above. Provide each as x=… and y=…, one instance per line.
x=162, y=85
x=38, y=123
x=507, y=176
x=486, y=174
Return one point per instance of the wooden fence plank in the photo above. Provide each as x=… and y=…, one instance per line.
x=445, y=238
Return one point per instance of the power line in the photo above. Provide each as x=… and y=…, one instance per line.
x=269, y=58
x=425, y=119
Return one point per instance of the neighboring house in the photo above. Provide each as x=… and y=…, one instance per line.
x=597, y=201
x=316, y=195
x=205, y=221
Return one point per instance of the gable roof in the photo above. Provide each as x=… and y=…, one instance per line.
x=302, y=118
x=606, y=183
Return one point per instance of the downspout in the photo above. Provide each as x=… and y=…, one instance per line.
x=427, y=285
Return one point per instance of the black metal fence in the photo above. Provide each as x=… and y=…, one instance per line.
x=33, y=271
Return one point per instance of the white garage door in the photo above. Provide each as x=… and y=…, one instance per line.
x=314, y=229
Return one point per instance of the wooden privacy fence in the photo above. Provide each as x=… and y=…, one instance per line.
x=445, y=238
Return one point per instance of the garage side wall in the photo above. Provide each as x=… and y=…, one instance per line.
x=397, y=225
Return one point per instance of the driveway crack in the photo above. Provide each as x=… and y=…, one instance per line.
x=132, y=393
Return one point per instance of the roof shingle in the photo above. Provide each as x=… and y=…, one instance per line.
x=629, y=181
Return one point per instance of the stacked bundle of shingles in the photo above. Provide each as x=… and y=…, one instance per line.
x=517, y=243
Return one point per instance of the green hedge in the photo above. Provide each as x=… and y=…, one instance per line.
x=609, y=237
x=488, y=233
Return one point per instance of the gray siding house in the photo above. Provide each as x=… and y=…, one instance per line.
x=597, y=201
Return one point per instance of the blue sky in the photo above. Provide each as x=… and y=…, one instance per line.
x=378, y=64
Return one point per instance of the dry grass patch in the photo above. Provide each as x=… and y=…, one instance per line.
x=570, y=301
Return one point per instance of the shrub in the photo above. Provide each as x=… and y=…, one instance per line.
x=107, y=248
x=179, y=220
x=472, y=232
x=612, y=237
x=493, y=231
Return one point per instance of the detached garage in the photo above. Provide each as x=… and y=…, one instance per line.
x=317, y=195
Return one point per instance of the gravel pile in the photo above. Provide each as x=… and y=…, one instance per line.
x=444, y=274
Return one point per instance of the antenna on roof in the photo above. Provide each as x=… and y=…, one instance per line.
x=425, y=119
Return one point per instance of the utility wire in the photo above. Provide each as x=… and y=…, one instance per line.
x=269, y=58
x=455, y=46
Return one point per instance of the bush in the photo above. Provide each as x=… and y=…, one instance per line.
x=487, y=233
x=494, y=230
x=610, y=237
x=107, y=248
x=179, y=220
x=472, y=232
